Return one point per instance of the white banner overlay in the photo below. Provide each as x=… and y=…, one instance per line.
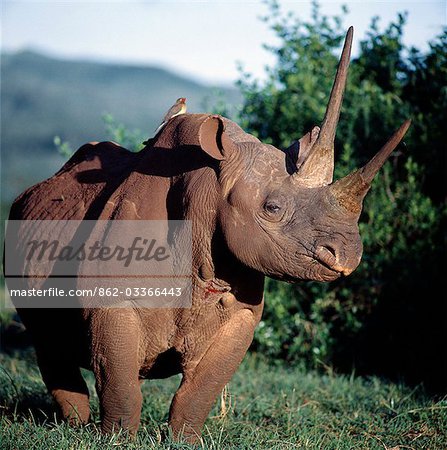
x=93, y=264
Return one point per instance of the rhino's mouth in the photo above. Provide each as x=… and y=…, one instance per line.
x=310, y=269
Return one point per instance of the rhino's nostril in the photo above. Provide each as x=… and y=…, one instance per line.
x=331, y=250
x=326, y=254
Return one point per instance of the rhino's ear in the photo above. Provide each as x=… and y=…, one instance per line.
x=199, y=130
x=306, y=144
x=298, y=152
x=213, y=139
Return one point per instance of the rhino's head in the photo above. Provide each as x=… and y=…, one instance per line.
x=282, y=214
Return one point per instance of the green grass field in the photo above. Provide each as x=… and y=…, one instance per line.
x=265, y=407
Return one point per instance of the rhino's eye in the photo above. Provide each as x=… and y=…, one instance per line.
x=272, y=207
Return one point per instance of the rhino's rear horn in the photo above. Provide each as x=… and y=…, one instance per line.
x=318, y=169
x=351, y=190
x=370, y=170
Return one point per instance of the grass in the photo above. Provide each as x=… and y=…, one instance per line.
x=265, y=406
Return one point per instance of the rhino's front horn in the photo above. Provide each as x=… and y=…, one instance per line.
x=351, y=190
x=318, y=169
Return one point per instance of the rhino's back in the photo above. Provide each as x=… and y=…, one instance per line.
x=80, y=189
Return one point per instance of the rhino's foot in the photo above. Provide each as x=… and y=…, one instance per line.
x=67, y=386
x=121, y=407
x=73, y=406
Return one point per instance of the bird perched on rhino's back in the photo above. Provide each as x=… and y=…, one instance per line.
x=179, y=107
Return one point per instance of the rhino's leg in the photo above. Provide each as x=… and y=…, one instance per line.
x=116, y=369
x=201, y=385
x=58, y=360
x=67, y=386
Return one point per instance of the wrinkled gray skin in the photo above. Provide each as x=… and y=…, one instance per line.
x=251, y=217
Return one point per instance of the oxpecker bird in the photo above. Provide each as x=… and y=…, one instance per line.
x=179, y=107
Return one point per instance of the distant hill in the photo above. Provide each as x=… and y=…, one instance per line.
x=42, y=97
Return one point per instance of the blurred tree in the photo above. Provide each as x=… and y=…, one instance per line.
x=391, y=308
x=426, y=91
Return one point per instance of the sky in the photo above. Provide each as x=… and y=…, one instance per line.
x=200, y=39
